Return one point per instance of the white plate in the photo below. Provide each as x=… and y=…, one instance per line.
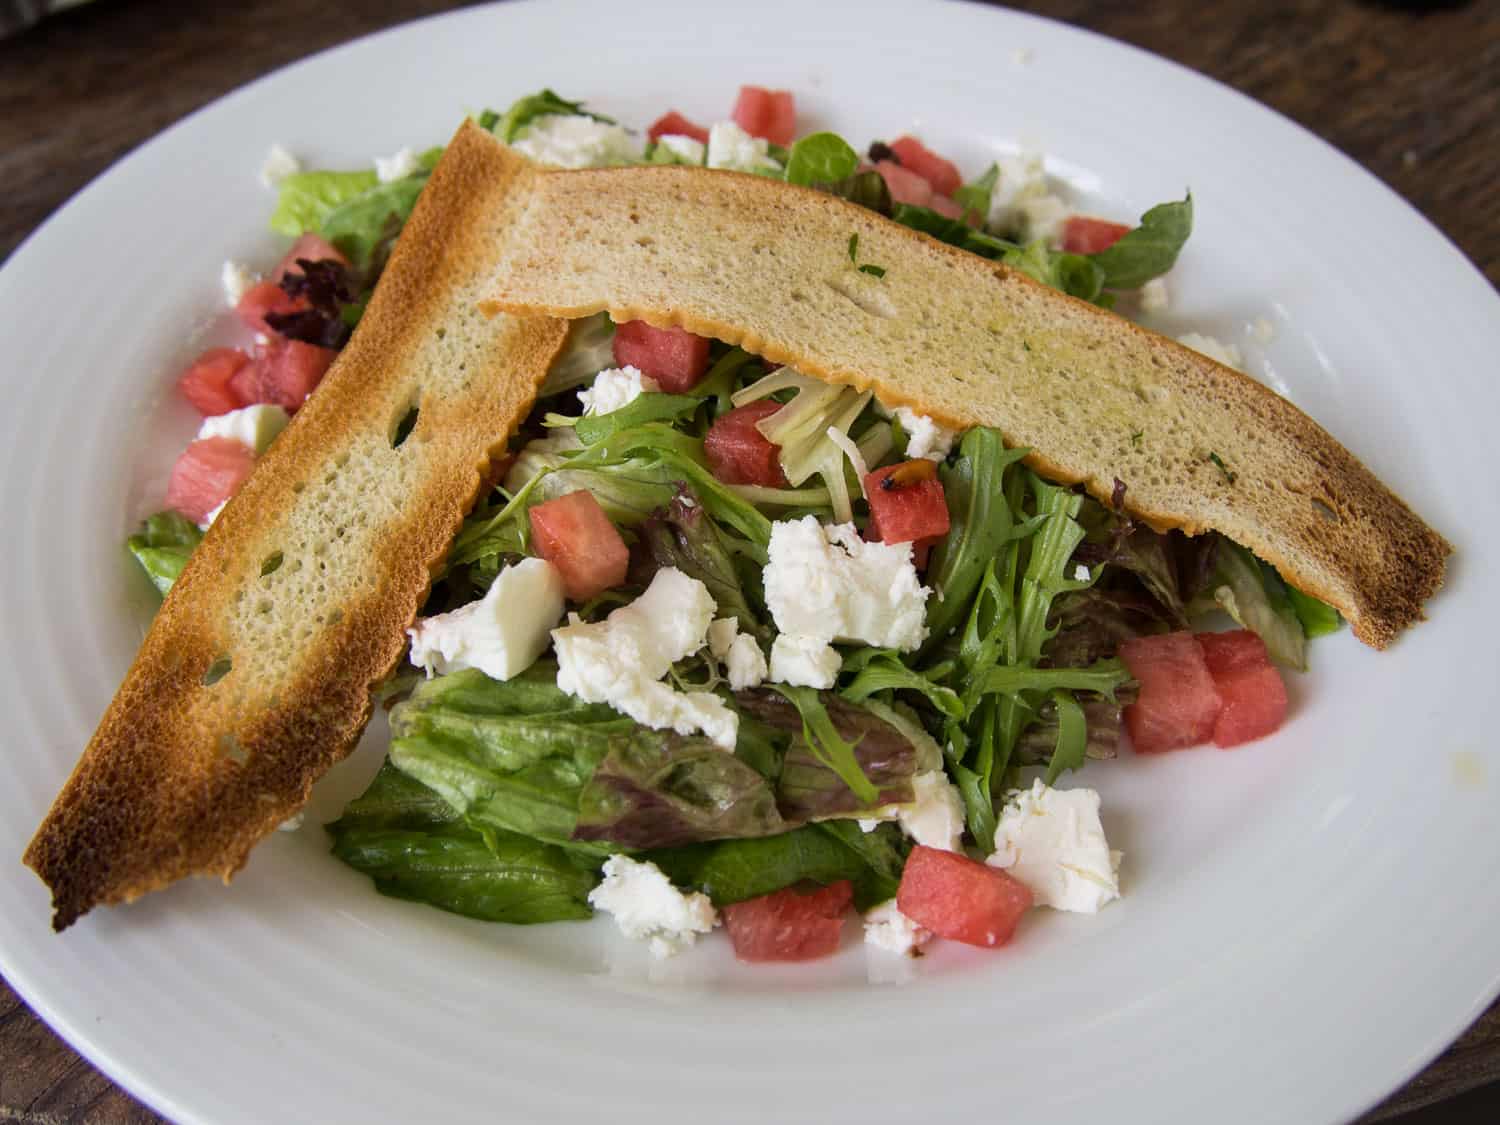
x=1306, y=922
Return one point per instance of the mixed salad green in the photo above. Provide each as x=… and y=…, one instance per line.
x=503, y=799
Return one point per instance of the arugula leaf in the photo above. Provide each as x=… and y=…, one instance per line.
x=821, y=158
x=305, y=199
x=882, y=669
x=955, y=232
x=648, y=407
x=827, y=745
x=976, y=196
x=658, y=789
x=526, y=110
x=1072, y=736
x=162, y=547
x=493, y=876
x=1149, y=250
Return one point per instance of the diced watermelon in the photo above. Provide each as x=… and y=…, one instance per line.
x=1178, y=702
x=739, y=453
x=312, y=247
x=673, y=124
x=906, y=186
x=266, y=297
x=1250, y=685
x=958, y=898
x=205, y=383
x=946, y=207
x=283, y=372
x=1083, y=235
x=907, y=502
x=674, y=357
x=771, y=114
x=574, y=535
x=942, y=174
x=789, y=925
x=207, y=473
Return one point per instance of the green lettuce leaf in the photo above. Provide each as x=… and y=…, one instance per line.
x=976, y=196
x=657, y=789
x=649, y=407
x=305, y=199
x=162, y=547
x=1149, y=250
x=868, y=189
x=821, y=158
x=393, y=800
x=365, y=225
x=1318, y=618
x=1074, y=274
x=1254, y=595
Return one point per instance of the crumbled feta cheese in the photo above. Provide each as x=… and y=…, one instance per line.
x=1052, y=841
x=278, y=165
x=687, y=150
x=933, y=818
x=213, y=514
x=570, y=141
x=1022, y=197
x=621, y=660
x=646, y=905
x=501, y=634
x=1080, y=573
x=828, y=583
x=924, y=437
x=255, y=426
x=614, y=388
x=731, y=147
x=1155, y=296
x=235, y=279
x=291, y=823
x=1215, y=349
x=1042, y=218
x=746, y=665
x=804, y=661
x=397, y=166
x=888, y=929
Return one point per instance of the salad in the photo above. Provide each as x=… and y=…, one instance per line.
x=728, y=645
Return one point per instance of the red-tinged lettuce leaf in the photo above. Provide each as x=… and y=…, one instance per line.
x=809, y=789
x=657, y=789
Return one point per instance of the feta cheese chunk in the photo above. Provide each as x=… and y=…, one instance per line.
x=829, y=584
x=1052, y=841
x=888, y=929
x=255, y=426
x=731, y=147
x=804, y=661
x=621, y=660
x=1155, y=296
x=571, y=141
x=924, y=437
x=646, y=906
x=502, y=634
x=614, y=388
x=1218, y=350
x=278, y=165
x=236, y=279
x=687, y=150
x=213, y=514
x=934, y=817
x=1022, y=202
x=397, y=166
x=744, y=663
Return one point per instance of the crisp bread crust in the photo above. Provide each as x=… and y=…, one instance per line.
x=968, y=342
x=308, y=580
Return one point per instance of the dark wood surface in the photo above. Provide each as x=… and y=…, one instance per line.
x=1411, y=91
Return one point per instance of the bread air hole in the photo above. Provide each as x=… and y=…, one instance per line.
x=406, y=423
x=217, y=671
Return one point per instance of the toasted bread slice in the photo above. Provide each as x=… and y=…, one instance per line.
x=257, y=673
x=969, y=342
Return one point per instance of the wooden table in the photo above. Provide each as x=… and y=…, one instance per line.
x=1411, y=91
